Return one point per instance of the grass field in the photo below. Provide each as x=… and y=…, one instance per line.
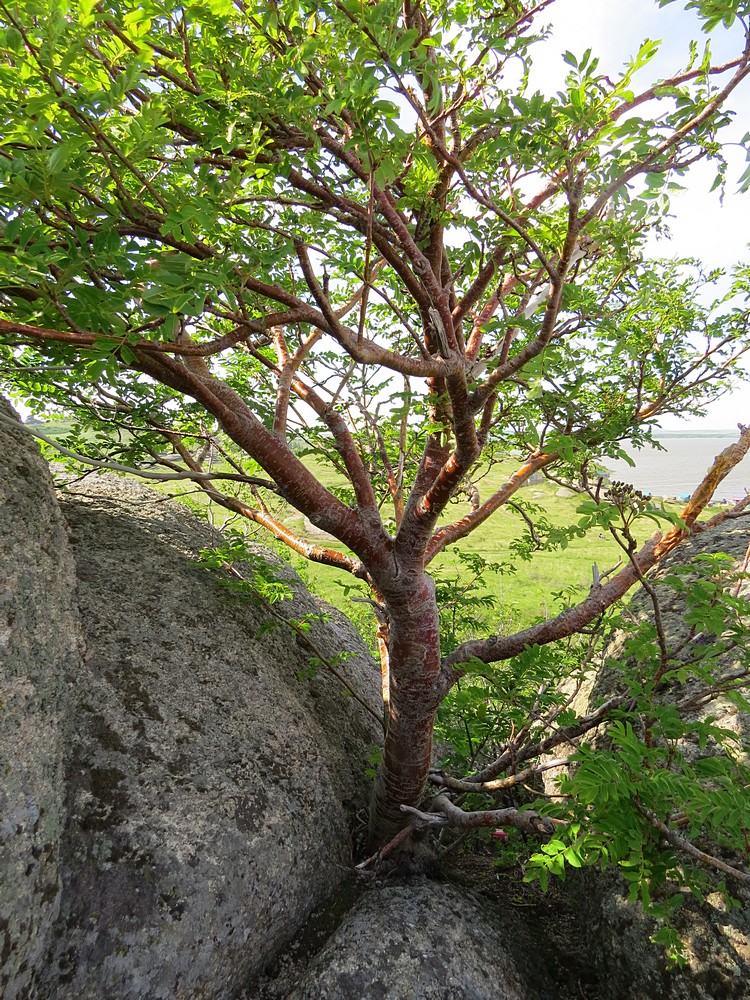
x=524, y=594
x=527, y=593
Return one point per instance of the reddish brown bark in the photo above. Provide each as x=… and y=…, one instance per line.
x=414, y=657
x=416, y=680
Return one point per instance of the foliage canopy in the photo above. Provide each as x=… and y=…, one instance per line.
x=259, y=230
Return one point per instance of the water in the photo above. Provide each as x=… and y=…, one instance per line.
x=678, y=470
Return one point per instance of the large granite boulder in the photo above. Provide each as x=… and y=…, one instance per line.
x=715, y=937
x=627, y=965
x=210, y=780
x=177, y=784
x=430, y=940
x=38, y=649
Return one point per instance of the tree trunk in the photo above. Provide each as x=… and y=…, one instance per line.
x=414, y=648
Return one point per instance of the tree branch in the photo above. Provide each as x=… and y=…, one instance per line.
x=602, y=596
x=444, y=813
x=459, y=529
x=160, y=477
x=681, y=843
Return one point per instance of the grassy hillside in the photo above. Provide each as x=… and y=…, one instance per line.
x=527, y=593
x=526, y=589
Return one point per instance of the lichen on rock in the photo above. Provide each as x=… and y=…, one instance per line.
x=209, y=797
x=39, y=653
x=177, y=788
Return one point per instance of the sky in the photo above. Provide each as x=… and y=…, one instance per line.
x=700, y=225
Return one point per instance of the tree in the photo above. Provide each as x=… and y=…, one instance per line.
x=268, y=229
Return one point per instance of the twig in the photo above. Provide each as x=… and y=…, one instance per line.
x=141, y=473
x=682, y=844
x=444, y=813
x=387, y=848
x=459, y=785
x=743, y=570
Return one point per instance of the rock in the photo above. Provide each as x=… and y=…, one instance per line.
x=716, y=941
x=628, y=966
x=38, y=647
x=731, y=538
x=210, y=782
x=428, y=940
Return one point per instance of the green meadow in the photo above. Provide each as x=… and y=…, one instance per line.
x=526, y=589
x=558, y=573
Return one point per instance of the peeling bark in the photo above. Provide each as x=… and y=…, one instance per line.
x=414, y=660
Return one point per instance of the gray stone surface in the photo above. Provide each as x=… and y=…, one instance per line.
x=731, y=538
x=210, y=789
x=430, y=941
x=629, y=967
x=716, y=940
x=38, y=647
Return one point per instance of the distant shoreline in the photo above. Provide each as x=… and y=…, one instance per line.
x=678, y=461
x=730, y=433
